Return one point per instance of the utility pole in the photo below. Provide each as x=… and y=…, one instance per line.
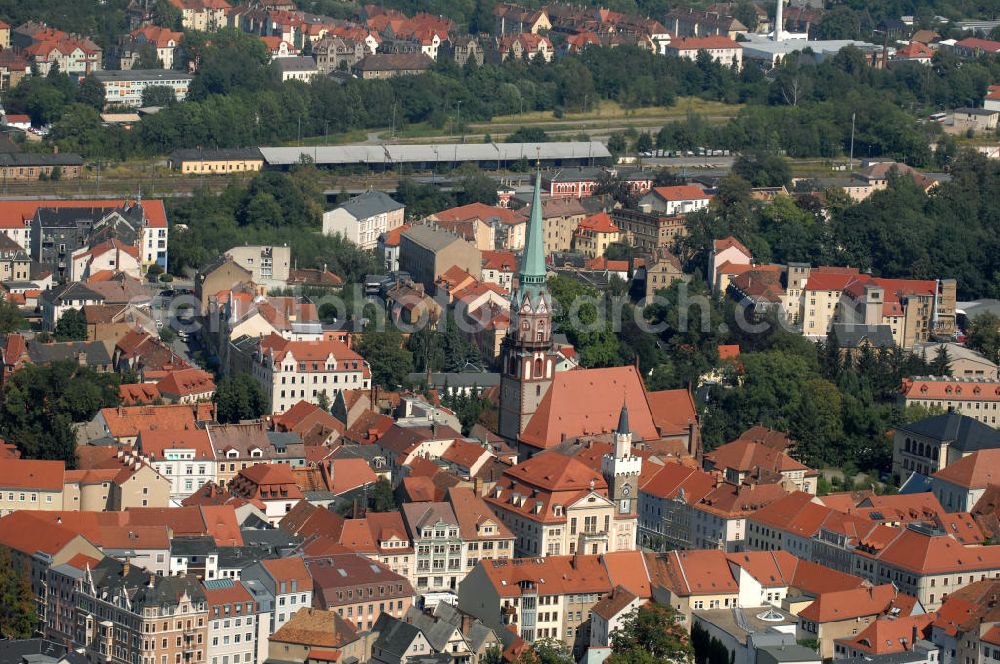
x=458, y=114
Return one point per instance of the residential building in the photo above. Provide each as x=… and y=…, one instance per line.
x=674, y=200
x=202, y=15
x=665, y=501
x=719, y=519
x=522, y=46
x=297, y=68
x=185, y=457
x=451, y=537
x=290, y=371
x=164, y=40
x=462, y=49
x=31, y=485
x=594, y=234
x=845, y=613
x=15, y=264
x=232, y=622
x=745, y=461
x=582, y=181
x=476, y=223
x=978, y=398
x=71, y=54
x=649, y=233
x=126, y=615
x=364, y=218
x=723, y=50
x=426, y=253
x=125, y=88
x=269, y=484
x=56, y=302
x=560, y=219
x=661, y=271
x=542, y=598
x=217, y=161
x=358, y=588
x=268, y=265
x=689, y=22
x=280, y=587
x=312, y=636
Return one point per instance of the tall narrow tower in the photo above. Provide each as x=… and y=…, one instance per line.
x=527, y=358
x=621, y=468
x=779, y=20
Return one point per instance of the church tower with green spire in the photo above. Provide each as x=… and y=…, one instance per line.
x=527, y=357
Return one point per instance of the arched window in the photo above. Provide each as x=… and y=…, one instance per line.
x=539, y=368
x=921, y=449
x=934, y=454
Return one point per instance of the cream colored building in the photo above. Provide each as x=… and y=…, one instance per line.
x=293, y=371
x=364, y=218
x=268, y=265
x=217, y=162
x=202, y=15
x=31, y=485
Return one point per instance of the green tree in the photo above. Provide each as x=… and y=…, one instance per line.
x=984, y=335
x=91, y=93
x=763, y=170
x=651, y=634
x=11, y=319
x=477, y=188
x=39, y=405
x=148, y=59
x=941, y=364
x=17, y=613
x=381, y=498
x=167, y=15
x=390, y=362
x=239, y=397
x=158, y=95
x=72, y=326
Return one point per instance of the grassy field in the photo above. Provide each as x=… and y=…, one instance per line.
x=605, y=110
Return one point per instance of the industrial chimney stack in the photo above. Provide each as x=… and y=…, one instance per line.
x=778, y=21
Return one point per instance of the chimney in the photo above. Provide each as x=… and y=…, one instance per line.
x=778, y=20
x=152, y=580
x=126, y=568
x=913, y=637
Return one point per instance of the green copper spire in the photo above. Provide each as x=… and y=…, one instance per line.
x=532, y=275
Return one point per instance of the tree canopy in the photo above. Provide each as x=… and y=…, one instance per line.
x=240, y=397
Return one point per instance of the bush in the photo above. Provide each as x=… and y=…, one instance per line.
x=166, y=278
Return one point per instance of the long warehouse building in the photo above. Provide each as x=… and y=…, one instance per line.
x=428, y=156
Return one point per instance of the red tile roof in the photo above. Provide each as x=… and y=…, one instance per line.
x=155, y=443
x=700, y=572
x=747, y=456
x=684, y=192
x=289, y=569
x=14, y=213
x=850, y=604
x=31, y=474
x=186, y=382
x=951, y=389
x=576, y=405
x=552, y=575
x=597, y=223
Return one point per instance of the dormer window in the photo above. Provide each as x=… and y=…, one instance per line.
x=256, y=453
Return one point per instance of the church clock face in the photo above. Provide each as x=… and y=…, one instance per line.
x=626, y=489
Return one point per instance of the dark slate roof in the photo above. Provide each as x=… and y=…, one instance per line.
x=271, y=539
x=16, y=159
x=110, y=578
x=917, y=483
x=144, y=75
x=851, y=336
x=394, y=635
x=231, y=154
x=238, y=557
x=369, y=204
x=295, y=63
x=193, y=546
x=964, y=433
x=74, y=290
x=395, y=62
x=95, y=353
x=14, y=651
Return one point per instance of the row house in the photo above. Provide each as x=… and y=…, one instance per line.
x=272, y=485
x=364, y=218
x=233, y=623
x=513, y=18
x=185, y=457
x=541, y=598
x=450, y=537
x=358, y=588
x=280, y=587
x=128, y=616
x=338, y=53
x=926, y=558
x=163, y=40
x=522, y=46
x=290, y=371
x=446, y=632
x=665, y=502
x=594, y=234
x=688, y=22
x=842, y=614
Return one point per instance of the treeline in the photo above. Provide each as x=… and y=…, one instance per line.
x=275, y=208
x=811, y=110
x=900, y=232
